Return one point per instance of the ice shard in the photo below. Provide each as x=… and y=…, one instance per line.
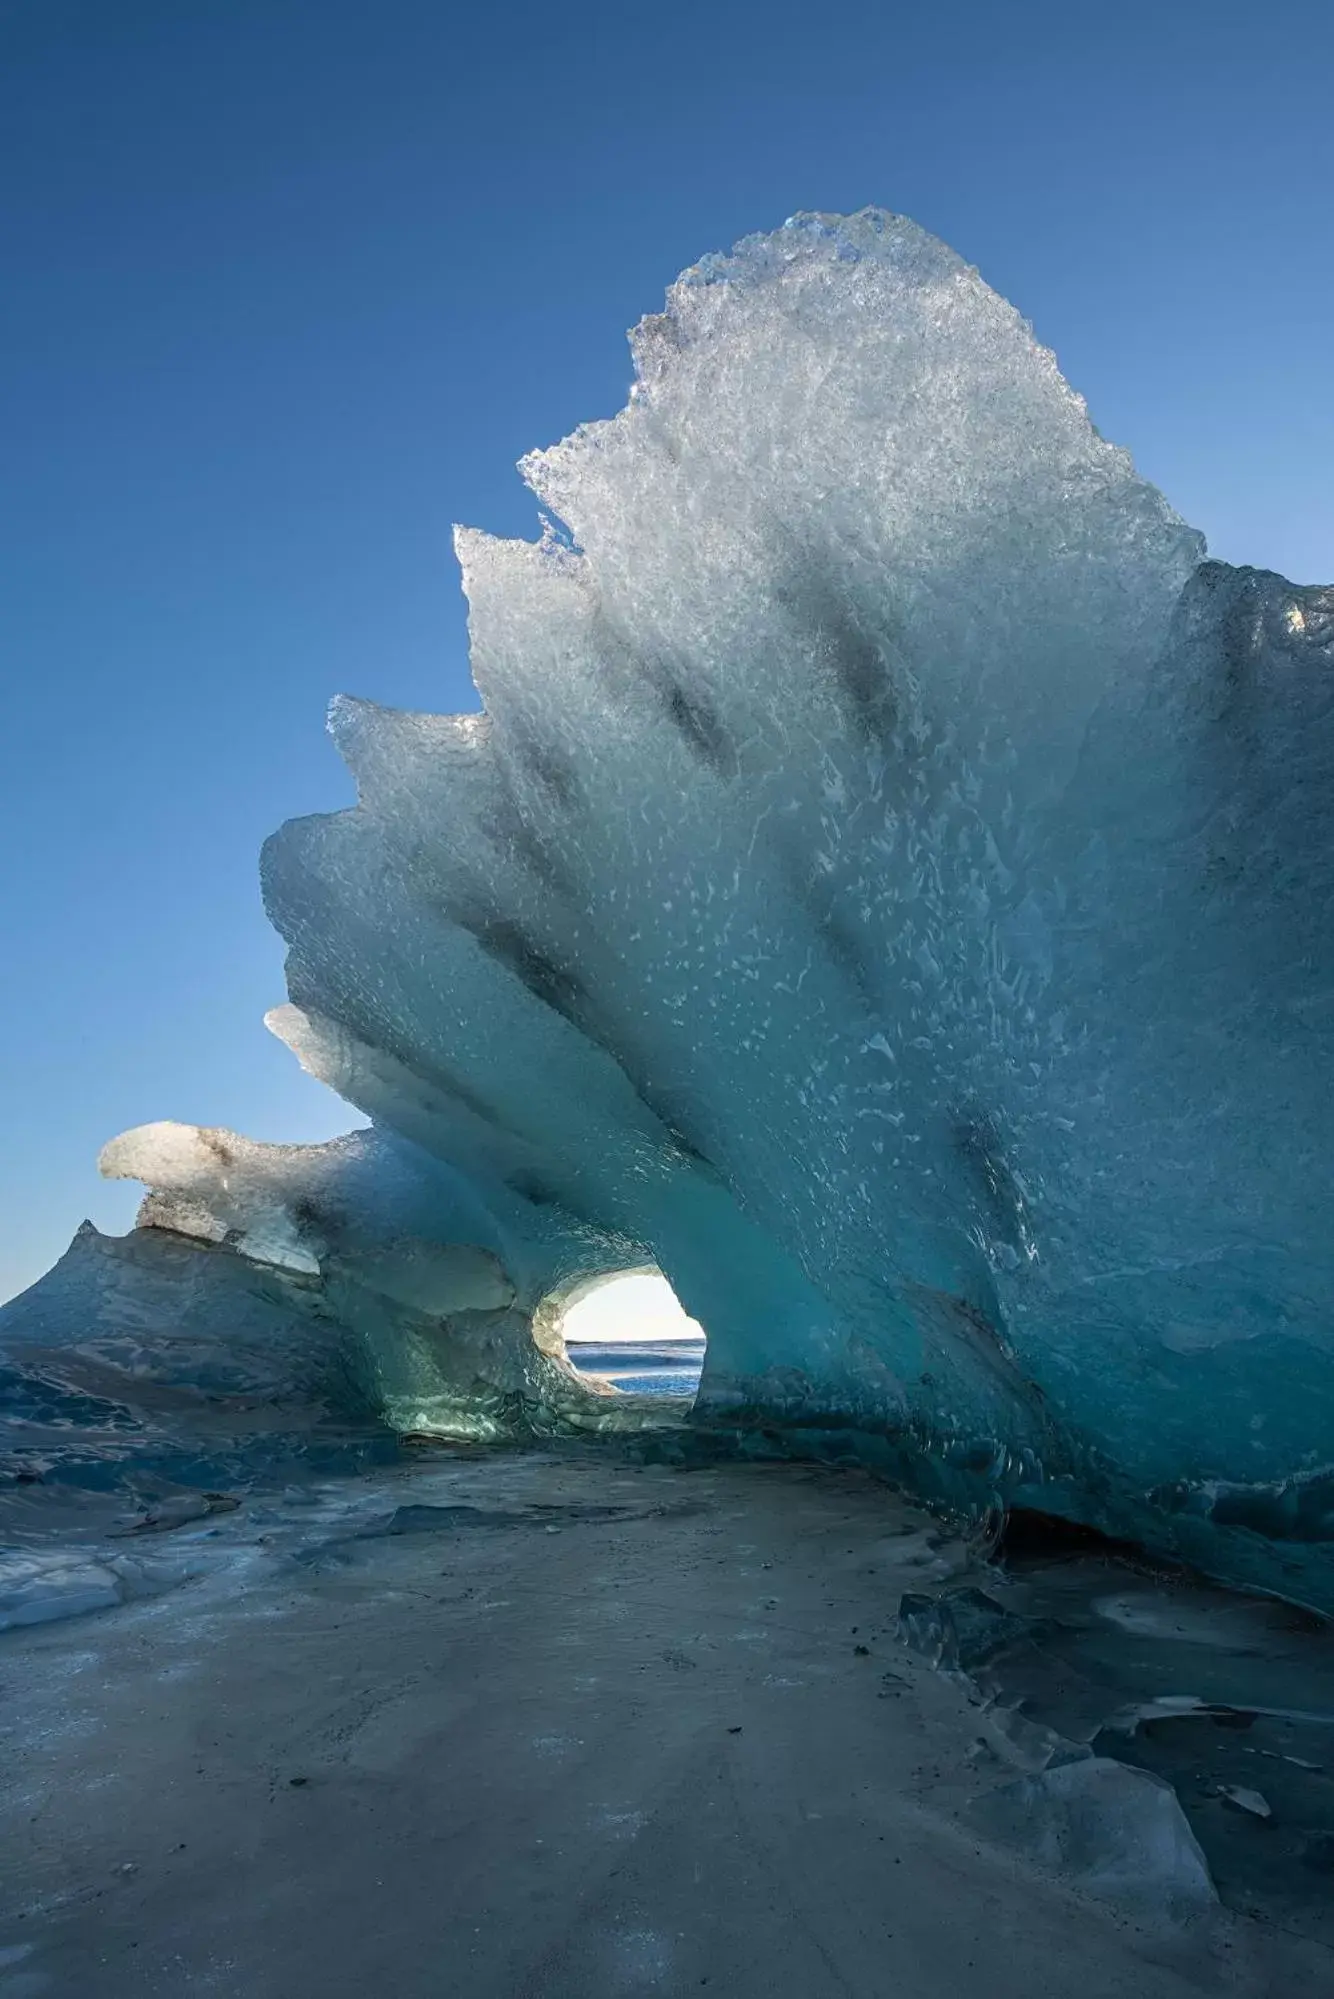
x=888, y=890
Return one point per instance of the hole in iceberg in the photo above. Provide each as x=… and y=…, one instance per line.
x=630, y=1329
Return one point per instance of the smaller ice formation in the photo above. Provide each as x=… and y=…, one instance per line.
x=404, y=1295
x=1119, y=1834
x=1064, y=1650
x=887, y=891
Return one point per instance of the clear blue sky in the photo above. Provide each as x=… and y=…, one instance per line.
x=290, y=284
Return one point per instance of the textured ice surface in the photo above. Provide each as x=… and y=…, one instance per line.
x=1074, y=1650
x=1116, y=1832
x=888, y=890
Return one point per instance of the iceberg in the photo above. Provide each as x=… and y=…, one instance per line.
x=887, y=890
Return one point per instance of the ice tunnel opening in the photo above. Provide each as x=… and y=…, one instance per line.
x=630, y=1329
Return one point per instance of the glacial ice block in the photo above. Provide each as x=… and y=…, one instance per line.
x=888, y=889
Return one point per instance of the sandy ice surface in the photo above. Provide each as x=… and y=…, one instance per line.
x=577, y=1728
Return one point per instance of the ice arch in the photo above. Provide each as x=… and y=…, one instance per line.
x=887, y=890
x=446, y=1300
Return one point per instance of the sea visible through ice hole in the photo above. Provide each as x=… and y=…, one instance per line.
x=632, y=1330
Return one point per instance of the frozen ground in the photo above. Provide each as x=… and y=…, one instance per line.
x=560, y=1724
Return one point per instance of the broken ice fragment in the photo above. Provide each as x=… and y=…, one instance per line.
x=1117, y=1832
x=39, y=1589
x=1027, y=1744
x=960, y=1630
x=1242, y=1799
